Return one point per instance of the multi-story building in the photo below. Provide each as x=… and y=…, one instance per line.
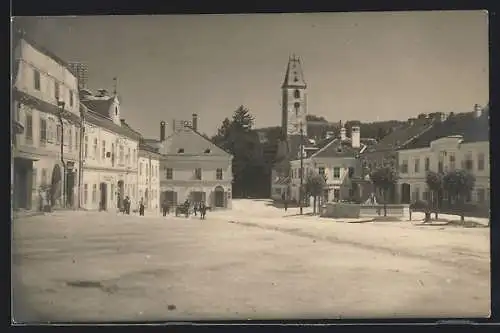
x=337, y=161
x=459, y=142
x=194, y=168
x=46, y=104
x=110, y=152
x=148, y=178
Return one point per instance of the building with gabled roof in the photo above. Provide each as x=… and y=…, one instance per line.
x=193, y=168
x=459, y=142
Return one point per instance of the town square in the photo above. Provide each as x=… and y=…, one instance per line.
x=252, y=167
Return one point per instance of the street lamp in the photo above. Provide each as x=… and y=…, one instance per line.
x=60, y=106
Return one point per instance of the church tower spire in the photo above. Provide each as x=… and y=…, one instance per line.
x=294, y=90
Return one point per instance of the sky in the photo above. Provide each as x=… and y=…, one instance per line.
x=358, y=66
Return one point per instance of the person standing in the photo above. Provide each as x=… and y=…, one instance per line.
x=203, y=210
x=141, y=207
x=195, y=208
x=164, y=207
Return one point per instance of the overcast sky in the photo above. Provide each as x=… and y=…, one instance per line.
x=358, y=66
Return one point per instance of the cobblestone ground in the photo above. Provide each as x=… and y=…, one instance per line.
x=254, y=262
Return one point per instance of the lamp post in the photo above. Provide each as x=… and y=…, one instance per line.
x=60, y=105
x=301, y=167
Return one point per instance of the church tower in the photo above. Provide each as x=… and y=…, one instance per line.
x=294, y=108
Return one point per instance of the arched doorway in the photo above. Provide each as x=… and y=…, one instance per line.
x=219, y=196
x=405, y=193
x=171, y=197
x=55, y=185
x=103, y=202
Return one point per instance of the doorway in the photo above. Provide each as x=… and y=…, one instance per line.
x=119, y=199
x=171, y=198
x=55, y=188
x=405, y=193
x=197, y=196
x=103, y=202
x=23, y=170
x=219, y=197
x=70, y=185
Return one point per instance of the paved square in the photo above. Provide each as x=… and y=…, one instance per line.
x=248, y=263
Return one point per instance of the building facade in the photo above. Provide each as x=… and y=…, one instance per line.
x=460, y=142
x=148, y=178
x=46, y=152
x=193, y=168
x=110, y=151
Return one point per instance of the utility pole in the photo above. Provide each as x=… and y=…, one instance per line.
x=301, y=167
x=61, y=104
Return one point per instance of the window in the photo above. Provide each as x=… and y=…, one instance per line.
x=58, y=133
x=43, y=181
x=336, y=194
x=417, y=165
x=351, y=172
x=140, y=168
x=56, y=90
x=296, y=93
x=43, y=131
x=468, y=162
x=169, y=173
x=70, y=139
x=321, y=171
x=441, y=162
x=128, y=156
x=404, y=166
x=452, y=161
x=36, y=79
x=218, y=174
x=112, y=154
x=336, y=172
x=417, y=194
x=71, y=98
x=28, y=131
x=197, y=173
x=86, y=146
x=425, y=196
x=103, y=148
x=95, y=149
x=122, y=153
x=427, y=164
x=481, y=195
x=135, y=157
x=86, y=193
x=480, y=161
x=94, y=193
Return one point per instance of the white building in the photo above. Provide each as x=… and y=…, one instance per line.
x=337, y=161
x=110, y=152
x=194, y=168
x=148, y=179
x=46, y=105
x=460, y=142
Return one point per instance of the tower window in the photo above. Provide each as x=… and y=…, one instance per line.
x=116, y=111
x=295, y=79
x=296, y=93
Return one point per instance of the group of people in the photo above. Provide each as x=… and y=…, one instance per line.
x=197, y=207
x=127, y=203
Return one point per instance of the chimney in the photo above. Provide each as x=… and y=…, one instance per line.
x=355, y=137
x=195, y=122
x=343, y=134
x=162, y=131
x=478, y=111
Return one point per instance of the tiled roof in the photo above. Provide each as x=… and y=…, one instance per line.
x=100, y=106
x=99, y=120
x=189, y=142
x=402, y=135
x=338, y=148
x=470, y=127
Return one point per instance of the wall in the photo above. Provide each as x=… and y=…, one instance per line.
x=100, y=168
x=148, y=179
x=184, y=182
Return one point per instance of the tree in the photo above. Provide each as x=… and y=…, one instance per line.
x=384, y=178
x=459, y=184
x=314, y=186
x=434, y=181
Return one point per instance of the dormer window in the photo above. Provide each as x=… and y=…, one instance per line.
x=180, y=151
x=295, y=79
x=207, y=151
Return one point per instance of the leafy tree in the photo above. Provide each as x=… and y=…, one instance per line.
x=459, y=184
x=384, y=178
x=434, y=181
x=314, y=186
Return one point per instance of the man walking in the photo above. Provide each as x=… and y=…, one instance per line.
x=164, y=207
x=141, y=207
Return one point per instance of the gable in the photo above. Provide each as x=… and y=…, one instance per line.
x=188, y=142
